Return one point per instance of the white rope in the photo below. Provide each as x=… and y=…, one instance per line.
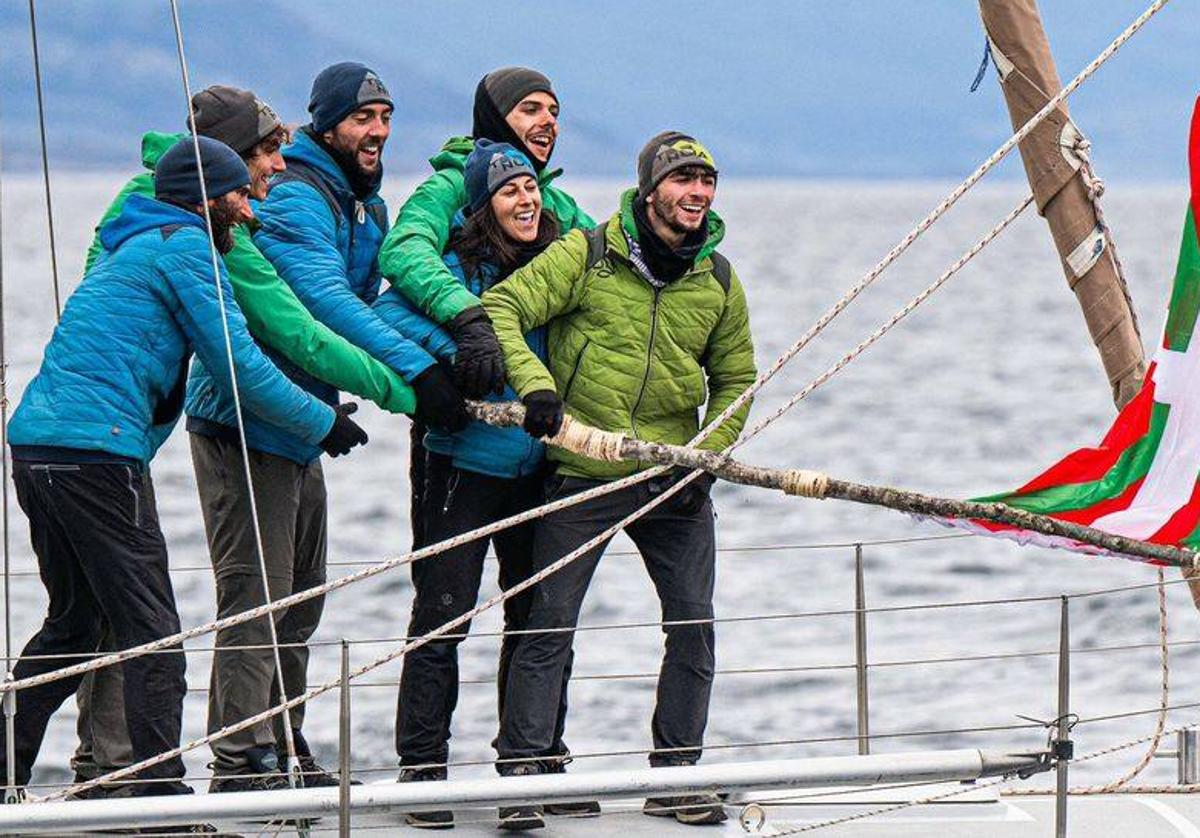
x=293, y=765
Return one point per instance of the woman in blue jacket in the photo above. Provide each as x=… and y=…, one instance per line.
x=473, y=477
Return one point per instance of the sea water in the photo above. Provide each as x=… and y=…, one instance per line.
x=986, y=384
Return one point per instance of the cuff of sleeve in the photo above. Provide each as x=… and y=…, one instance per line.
x=326, y=425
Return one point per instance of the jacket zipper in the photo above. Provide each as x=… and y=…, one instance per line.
x=649, y=359
x=137, y=501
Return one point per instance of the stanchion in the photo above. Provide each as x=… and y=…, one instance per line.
x=860, y=653
x=344, y=746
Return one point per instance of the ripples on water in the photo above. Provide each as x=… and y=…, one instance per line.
x=988, y=383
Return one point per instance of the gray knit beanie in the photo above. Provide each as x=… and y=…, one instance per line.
x=236, y=117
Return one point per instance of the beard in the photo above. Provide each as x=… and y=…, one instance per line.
x=362, y=183
x=665, y=210
x=223, y=221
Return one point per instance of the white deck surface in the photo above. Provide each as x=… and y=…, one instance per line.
x=980, y=814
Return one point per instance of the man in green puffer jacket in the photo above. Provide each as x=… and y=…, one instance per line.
x=647, y=324
x=514, y=105
x=275, y=317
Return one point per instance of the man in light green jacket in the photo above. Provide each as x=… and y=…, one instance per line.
x=648, y=325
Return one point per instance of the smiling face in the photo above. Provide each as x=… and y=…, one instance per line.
x=679, y=203
x=535, y=122
x=226, y=212
x=265, y=160
x=362, y=135
x=517, y=206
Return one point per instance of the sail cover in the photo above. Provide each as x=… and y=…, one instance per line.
x=1143, y=479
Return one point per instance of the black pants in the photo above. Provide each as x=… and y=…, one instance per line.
x=679, y=553
x=102, y=558
x=447, y=585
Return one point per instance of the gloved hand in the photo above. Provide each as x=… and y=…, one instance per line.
x=438, y=401
x=478, y=364
x=690, y=499
x=345, y=433
x=543, y=413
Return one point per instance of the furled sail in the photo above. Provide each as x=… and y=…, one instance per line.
x=1054, y=154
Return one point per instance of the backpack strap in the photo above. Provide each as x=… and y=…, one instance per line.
x=597, y=244
x=302, y=172
x=721, y=269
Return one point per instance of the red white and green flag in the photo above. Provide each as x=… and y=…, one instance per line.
x=1143, y=479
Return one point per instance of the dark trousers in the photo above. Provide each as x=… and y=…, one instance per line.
x=102, y=558
x=679, y=553
x=447, y=585
x=291, y=513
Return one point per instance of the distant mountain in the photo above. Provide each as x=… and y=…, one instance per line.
x=775, y=87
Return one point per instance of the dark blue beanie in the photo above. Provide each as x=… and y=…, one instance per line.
x=340, y=90
x=176, y=177
x=491, y=165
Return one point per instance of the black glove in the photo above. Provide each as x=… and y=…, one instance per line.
x=344, y=434
x=690, y=499
x=438, y=401
x=478, y=364
x=543, y=413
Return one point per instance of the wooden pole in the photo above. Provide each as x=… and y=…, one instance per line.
x=510, y=414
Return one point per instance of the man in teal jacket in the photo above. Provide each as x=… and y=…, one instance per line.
x=276, y=318
x=515, y=105
x=107, y=395
x=321, y=225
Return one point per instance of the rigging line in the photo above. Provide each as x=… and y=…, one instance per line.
x=607, y=488
x=9, y=701
x=293, y=765
x=37, y=77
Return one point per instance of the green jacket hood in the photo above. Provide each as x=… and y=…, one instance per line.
x=155, y=145
x=454, y=156
x=716, y=229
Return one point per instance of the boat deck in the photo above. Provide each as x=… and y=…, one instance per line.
x=982, y=813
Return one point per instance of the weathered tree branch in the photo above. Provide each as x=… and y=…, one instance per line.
x=510, y=414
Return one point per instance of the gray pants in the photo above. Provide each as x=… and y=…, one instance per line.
x=679, y=551
x=104, y=744
x=291, y=513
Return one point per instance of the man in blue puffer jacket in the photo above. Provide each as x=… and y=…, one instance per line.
x=321, y=225
x=108, y=393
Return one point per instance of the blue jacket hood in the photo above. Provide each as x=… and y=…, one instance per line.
x=141, y=214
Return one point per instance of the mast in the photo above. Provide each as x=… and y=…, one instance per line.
x=1056, y=163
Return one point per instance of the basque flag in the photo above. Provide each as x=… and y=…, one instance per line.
x=1143, y=479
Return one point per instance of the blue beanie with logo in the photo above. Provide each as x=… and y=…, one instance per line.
x=176, y=176
x=341, y=89
x=491, y=165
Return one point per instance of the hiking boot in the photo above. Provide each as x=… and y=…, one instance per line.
x=261, y=773
x=576, y=808
x=522, y=816
x=435, y=819
x=691, y=809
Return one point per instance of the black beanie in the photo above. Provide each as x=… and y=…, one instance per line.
x=509, y=85
x=177, y=178
x=665, y=153
x=498, y=93
x=236, y=117
x=341, y=89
